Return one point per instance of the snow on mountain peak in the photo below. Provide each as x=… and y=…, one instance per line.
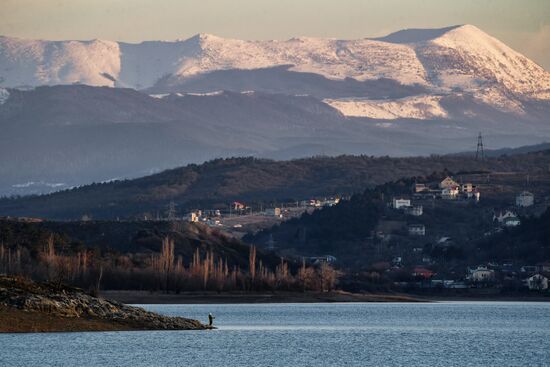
x=465, y=57
x=458, y=57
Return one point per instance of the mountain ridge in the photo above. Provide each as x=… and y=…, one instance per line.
x=102, y=62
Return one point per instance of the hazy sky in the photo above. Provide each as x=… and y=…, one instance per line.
x=522, y=24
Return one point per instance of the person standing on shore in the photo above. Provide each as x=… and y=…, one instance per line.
x=210, y=319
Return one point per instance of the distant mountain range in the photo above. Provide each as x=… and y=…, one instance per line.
x=414, y=92
x=461, y=57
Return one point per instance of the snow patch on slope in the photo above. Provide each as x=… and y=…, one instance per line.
x=214, y=93
x=417, y=107
x=38, y=183
x=500, y=100
x=4, y=95
x=159, y=96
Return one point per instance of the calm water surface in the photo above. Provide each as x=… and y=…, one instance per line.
x=397, y=334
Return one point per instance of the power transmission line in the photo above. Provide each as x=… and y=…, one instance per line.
x=480, y=154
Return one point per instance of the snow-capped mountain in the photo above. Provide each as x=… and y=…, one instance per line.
x=156, y=105
x=449, y=60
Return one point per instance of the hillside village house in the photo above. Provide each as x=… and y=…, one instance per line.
x=525, y=199
x=467, y=187
x=212, y=212
x=450, y=193
x=274, y=212
x=420, y=188
x=312, y=203
x=447, y=189
x=482, y=274
x=447, y=183
x=421, y=272
x=469, y=191
x=417, y=230
x=238, y=206
x=416, y=210
x=530, y=269
x=451, y=190
x=194, y=216
x=398, y=203
x=507, y=218
x=537, y=282
x=330, y=202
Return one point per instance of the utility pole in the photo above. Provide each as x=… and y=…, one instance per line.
x=480, y=154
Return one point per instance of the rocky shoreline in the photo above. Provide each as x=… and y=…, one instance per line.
x=26, y=306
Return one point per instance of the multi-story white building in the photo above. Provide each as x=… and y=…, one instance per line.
x=507, y=218
x=398, y=203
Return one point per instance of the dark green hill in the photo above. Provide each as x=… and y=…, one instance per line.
x=529, y=241
x=218, y=182
x=365, y=230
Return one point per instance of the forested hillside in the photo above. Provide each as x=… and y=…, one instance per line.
x=216, y=183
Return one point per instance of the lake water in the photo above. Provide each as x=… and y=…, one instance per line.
x=352, y=334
